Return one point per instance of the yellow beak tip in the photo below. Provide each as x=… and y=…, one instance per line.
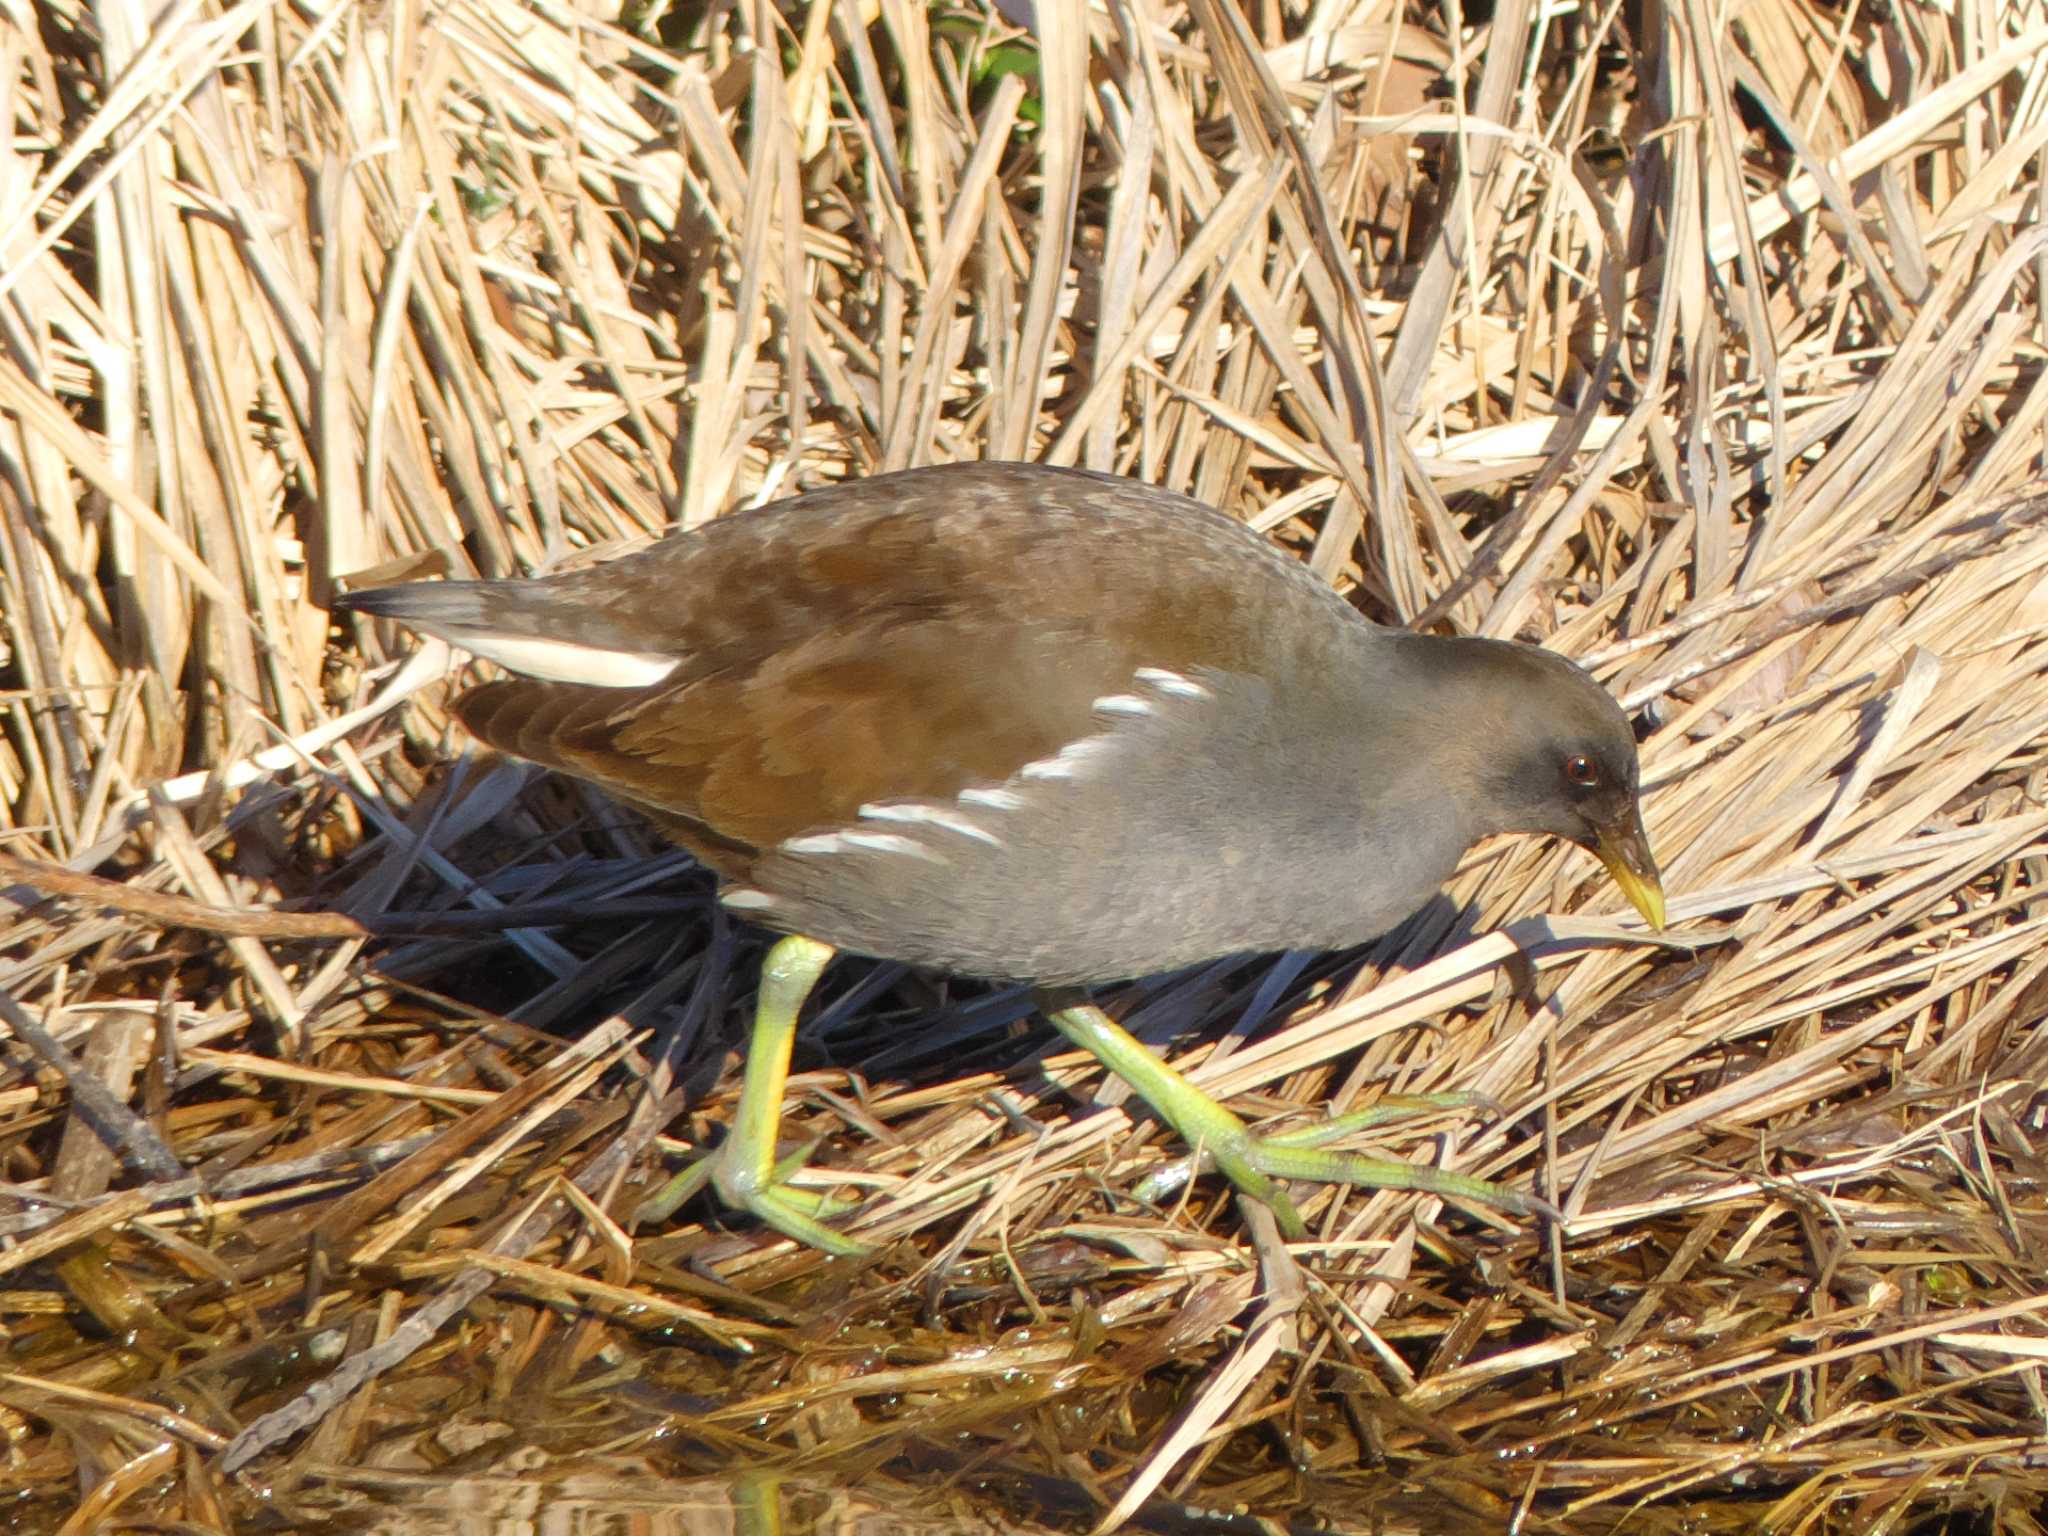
x=1651, y=905
x=1627, y=858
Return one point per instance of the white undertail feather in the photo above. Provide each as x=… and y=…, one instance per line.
x=561, y=661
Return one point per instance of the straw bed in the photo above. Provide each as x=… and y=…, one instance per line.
x=1706, y=348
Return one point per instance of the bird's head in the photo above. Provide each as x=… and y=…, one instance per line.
x=1554, y=753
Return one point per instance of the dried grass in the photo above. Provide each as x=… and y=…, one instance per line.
x=1706, y=348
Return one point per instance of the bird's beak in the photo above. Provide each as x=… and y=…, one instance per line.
x=1624, y=848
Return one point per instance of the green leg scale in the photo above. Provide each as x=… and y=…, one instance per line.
x=1257, y=1164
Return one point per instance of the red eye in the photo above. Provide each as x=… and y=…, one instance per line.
x=1582, y=771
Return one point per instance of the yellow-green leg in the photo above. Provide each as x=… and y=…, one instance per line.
x=1256, y=1164
x=744, y=1169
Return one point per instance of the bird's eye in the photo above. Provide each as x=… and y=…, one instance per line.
x=1582, y=771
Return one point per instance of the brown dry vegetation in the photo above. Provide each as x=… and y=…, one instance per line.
x=1705, y=348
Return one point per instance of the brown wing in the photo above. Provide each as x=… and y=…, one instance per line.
x=800, y=741
x=904, y=637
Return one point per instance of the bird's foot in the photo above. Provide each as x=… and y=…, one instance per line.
x=745, y=1170
x=1257, y=1164
x=797, y=1213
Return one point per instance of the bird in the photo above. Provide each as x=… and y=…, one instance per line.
x=1038, y=725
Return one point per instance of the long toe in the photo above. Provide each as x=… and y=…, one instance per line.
x=672, y=1196
x=790, y=1212
x=1281, y=1160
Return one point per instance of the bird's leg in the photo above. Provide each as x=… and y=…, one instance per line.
x=1256, y=1164
x=744, y=1170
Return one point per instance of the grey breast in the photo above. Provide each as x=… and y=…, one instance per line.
x=1210, y=814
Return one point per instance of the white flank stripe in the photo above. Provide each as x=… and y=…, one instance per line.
x=817, y=842
x=1171, y=682
x=1068, y=764
x=889, y=842
x=1121, y=704
x=872, y=842
x=993, y=799
x=930, y=815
